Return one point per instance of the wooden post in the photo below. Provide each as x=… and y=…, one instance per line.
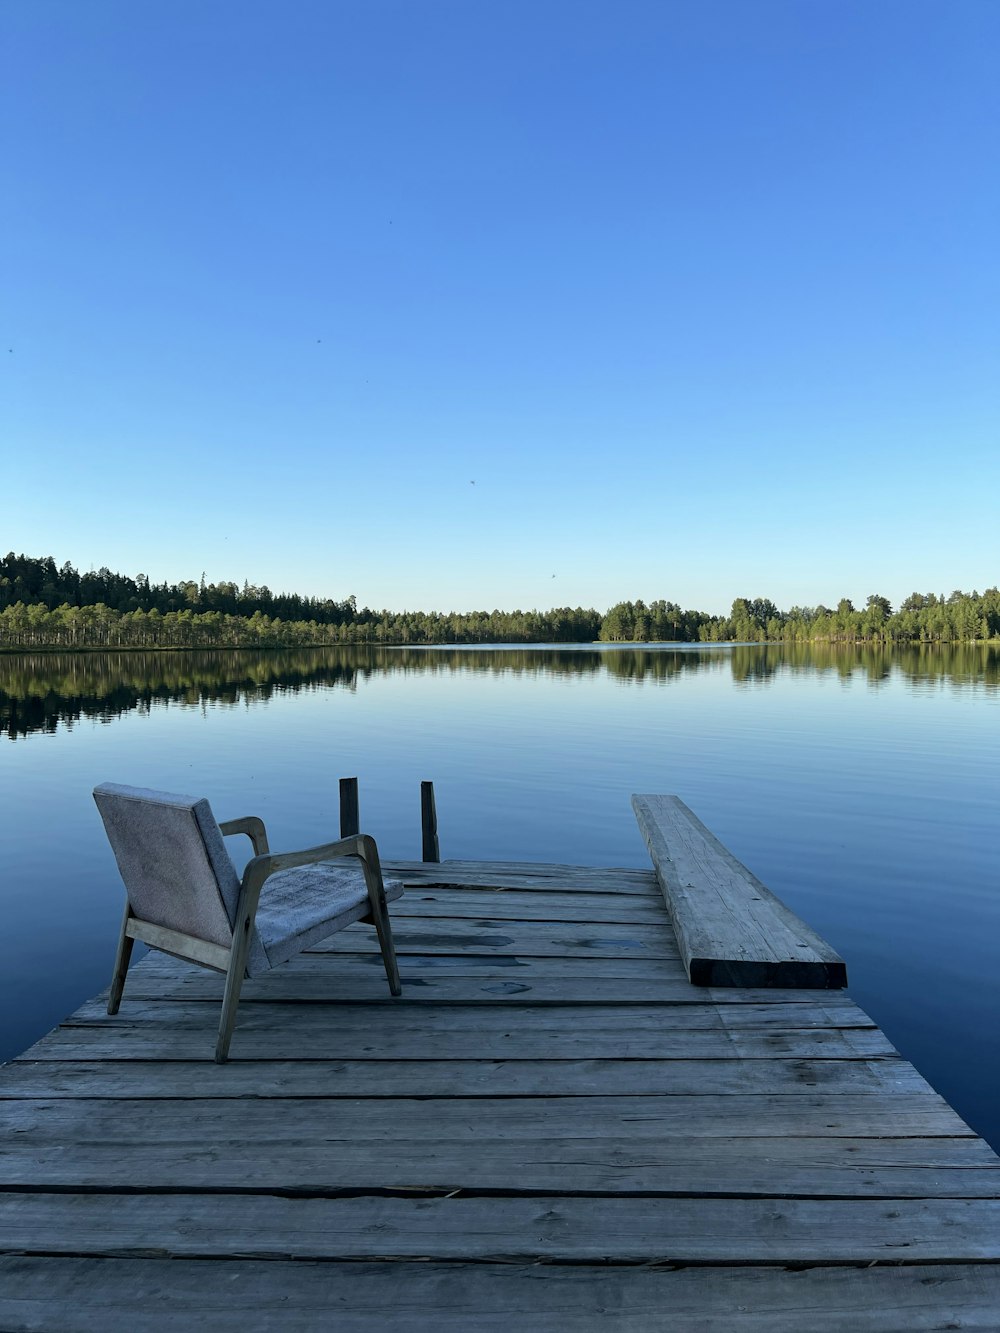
x=429, y=823
x=350, y=818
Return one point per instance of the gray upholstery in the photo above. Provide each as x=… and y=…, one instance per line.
x=177, y=873
x=173, y=860
x=300, y=907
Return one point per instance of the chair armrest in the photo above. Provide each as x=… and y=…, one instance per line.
x=252, y=827
x=360, y=845
x=269, y=864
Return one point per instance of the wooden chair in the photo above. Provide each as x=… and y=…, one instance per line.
x=185, y=897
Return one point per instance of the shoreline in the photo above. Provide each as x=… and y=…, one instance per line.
x=15, y=650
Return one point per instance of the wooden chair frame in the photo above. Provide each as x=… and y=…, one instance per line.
x=233, y=961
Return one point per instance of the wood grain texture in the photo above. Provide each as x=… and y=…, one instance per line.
x=557, y=1019
x=310, y=979
x=307, y=1033
x=89, y=1295
x=526, y=876
x=636, y=1116
x=731, y=930
x=462, y=979
x=502, y=1229
x=328, y=1080
x=529, y=939
x=323, y=1163
x=530, y=905
x=465, y=1120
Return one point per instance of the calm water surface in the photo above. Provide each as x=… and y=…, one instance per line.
x=863, y=787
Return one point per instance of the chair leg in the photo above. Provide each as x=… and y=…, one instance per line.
x=379, y=911
x=384, y=928
x=227, y=1022
x=122, y=959
x=236, y=972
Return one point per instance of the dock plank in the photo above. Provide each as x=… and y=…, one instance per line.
x=360, y=977
x=639, y=1116
x=463, y=1120
x=454, y=1018
x=324, y=1163
x=329, y=1080
x=498, y=904
x=309, y=1033
x=85, y=1295
x=529, y=939
x=354, y=980
x=504, y=1229
x=527, y=877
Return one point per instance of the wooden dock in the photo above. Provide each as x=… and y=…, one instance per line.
x=553, y=1129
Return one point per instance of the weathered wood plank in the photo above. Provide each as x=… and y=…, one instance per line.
x=531, y=869
x=364, y=964
x=301, y=1033
x=540, y=905
x=311, y=979
x=529, y=939
x=467, y=1120
x=360, y=979
x=509, y=964
x=526, y=877
x=557, y=1018
x=89, y=1295
x=323, y=1163
x=731, y=929
x=472, y=962
x=199, y=1076
x=634, y=1230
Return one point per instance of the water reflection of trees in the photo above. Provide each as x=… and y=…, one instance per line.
x=39, y=692
x=957, y=664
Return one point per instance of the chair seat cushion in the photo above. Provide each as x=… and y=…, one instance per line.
x=301, y=906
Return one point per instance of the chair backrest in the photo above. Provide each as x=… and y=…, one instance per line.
x=173, y=860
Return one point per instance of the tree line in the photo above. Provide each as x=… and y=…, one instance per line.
x=961, y=617
x=73, y=627
x=45, y=606
x=38, y=581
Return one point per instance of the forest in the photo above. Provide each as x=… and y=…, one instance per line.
x=43, y=605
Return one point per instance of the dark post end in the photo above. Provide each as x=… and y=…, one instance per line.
x=350, y=818
x=429, y=823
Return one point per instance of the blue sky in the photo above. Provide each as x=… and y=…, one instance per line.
x=453, y=304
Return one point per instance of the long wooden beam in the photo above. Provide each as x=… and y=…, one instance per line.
x=731, y=930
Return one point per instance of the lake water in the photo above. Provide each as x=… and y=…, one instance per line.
x=862, y=786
